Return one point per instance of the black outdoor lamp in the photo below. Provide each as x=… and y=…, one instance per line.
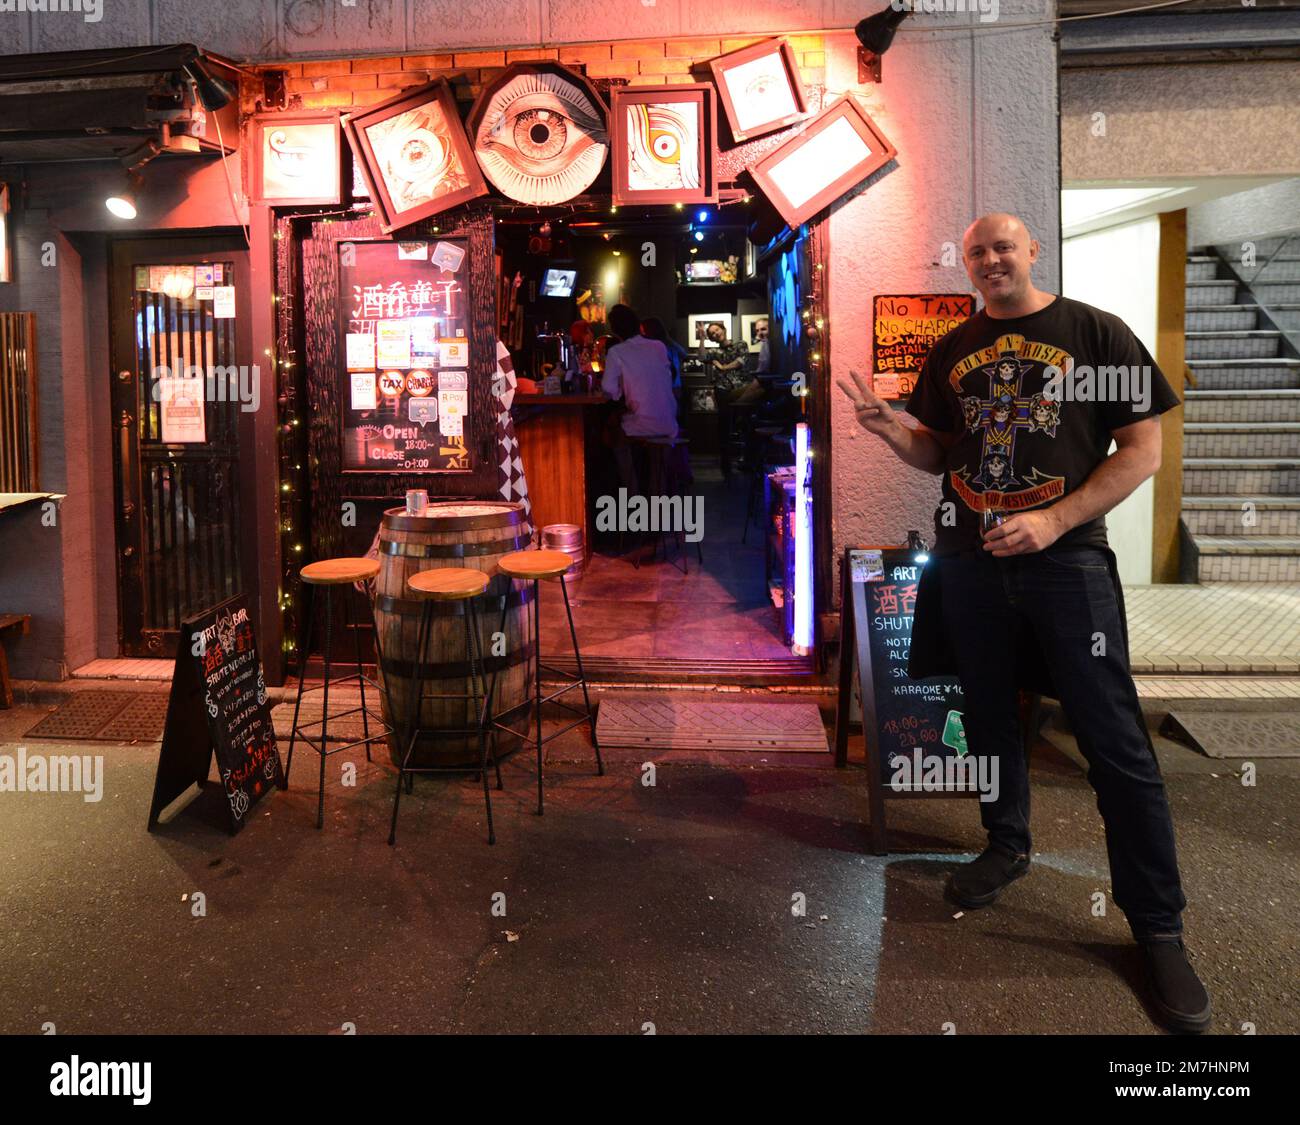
x=213, y=92
x=876, y=33
x=917, y=545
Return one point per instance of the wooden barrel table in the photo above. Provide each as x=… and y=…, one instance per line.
x=468, y=533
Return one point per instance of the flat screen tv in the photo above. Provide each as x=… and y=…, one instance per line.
x=559, y=283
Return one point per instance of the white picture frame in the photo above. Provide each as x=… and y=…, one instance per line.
x=699, y=319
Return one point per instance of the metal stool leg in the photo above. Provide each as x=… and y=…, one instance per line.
x=537, y=681
x=325, y=707
x=413, y=724
x=355, y=626
x=480, y=714
x=492, y=684
x=302, y=672
x=577, y=656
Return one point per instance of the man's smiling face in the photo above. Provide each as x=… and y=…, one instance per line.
x=999, y=253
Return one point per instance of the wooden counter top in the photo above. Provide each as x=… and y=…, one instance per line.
x=559, y=400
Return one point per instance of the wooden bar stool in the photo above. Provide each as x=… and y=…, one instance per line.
x=534, y=567
x=330, y=573
x=669, y=481
x=448, y=584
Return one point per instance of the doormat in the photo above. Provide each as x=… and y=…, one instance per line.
x=1237, y=734
x=106, y=716
x=660, y=723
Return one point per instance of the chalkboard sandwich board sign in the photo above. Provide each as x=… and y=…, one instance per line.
x=218, y=705
x=913, y=729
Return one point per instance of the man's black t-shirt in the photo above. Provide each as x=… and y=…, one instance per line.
x=1035, y=399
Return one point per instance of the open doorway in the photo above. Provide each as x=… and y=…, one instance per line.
x=684, y=528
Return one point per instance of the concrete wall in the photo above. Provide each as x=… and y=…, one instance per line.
x=1090, y=274
x=295, y=29
x=1258, y=213
x=1123, y=124
x=65, y=574
x=48, y=562
x=973, y=117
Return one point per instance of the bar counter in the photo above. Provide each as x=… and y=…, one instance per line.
x=553, y=435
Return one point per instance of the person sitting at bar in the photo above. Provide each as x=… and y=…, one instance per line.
x=764, y=365
x=638, y=371
x=726, y=362
x=653, y=328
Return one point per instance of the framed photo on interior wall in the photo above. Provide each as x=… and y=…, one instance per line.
x=297, y=159
x=839, y=149
x=663, y=139
x=697, y=328
x=760, y=88
x=414, y=155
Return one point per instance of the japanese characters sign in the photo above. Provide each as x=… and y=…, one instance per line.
x=404, y=318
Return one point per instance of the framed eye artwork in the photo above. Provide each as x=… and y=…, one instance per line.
x=539, y=132
x=664, y=138
x=414, y=155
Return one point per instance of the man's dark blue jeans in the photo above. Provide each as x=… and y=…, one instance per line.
x=1066, y=597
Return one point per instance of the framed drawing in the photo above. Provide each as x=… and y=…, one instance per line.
x=414, y=155
x=664, y=138
x=753, y=329
x=297, y=159
x=704, y=400
x=760, y=88
x=706, y=326
x=839, y=149
x=540, y=133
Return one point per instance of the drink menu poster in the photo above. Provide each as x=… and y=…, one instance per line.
x=404, y=352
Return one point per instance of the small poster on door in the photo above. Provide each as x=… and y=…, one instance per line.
x=361, y=351
x=223, y=302
x=364, y=391
x=454, y=351
x=203, y=275
x=393, y=343
x=180, y=408
x=424, y=341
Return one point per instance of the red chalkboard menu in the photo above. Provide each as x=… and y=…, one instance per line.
x=218, y=705
x=404, y=352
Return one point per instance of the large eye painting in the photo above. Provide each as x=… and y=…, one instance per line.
x=541, y=139
x=663, y=146
x=415, y=156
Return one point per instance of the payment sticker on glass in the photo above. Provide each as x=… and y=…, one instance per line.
x=866, y=566
x=954, y=734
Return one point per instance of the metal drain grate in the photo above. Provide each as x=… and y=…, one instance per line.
x=1237, y=734
x=105, y=716
x=663, y=723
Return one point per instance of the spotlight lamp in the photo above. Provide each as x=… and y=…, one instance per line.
x=875, y=34
x=123, y=202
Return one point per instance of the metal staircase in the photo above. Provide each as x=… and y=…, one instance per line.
x=1241, y=444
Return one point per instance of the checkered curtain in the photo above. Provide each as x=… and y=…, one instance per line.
x=511, y=482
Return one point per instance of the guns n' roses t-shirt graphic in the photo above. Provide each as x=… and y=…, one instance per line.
x=1034, y=400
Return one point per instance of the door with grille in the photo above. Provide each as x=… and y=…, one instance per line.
x=184, y=391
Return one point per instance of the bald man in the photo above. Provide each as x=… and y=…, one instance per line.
x=1017, y=408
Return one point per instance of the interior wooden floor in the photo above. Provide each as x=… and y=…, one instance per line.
x=719, y=609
